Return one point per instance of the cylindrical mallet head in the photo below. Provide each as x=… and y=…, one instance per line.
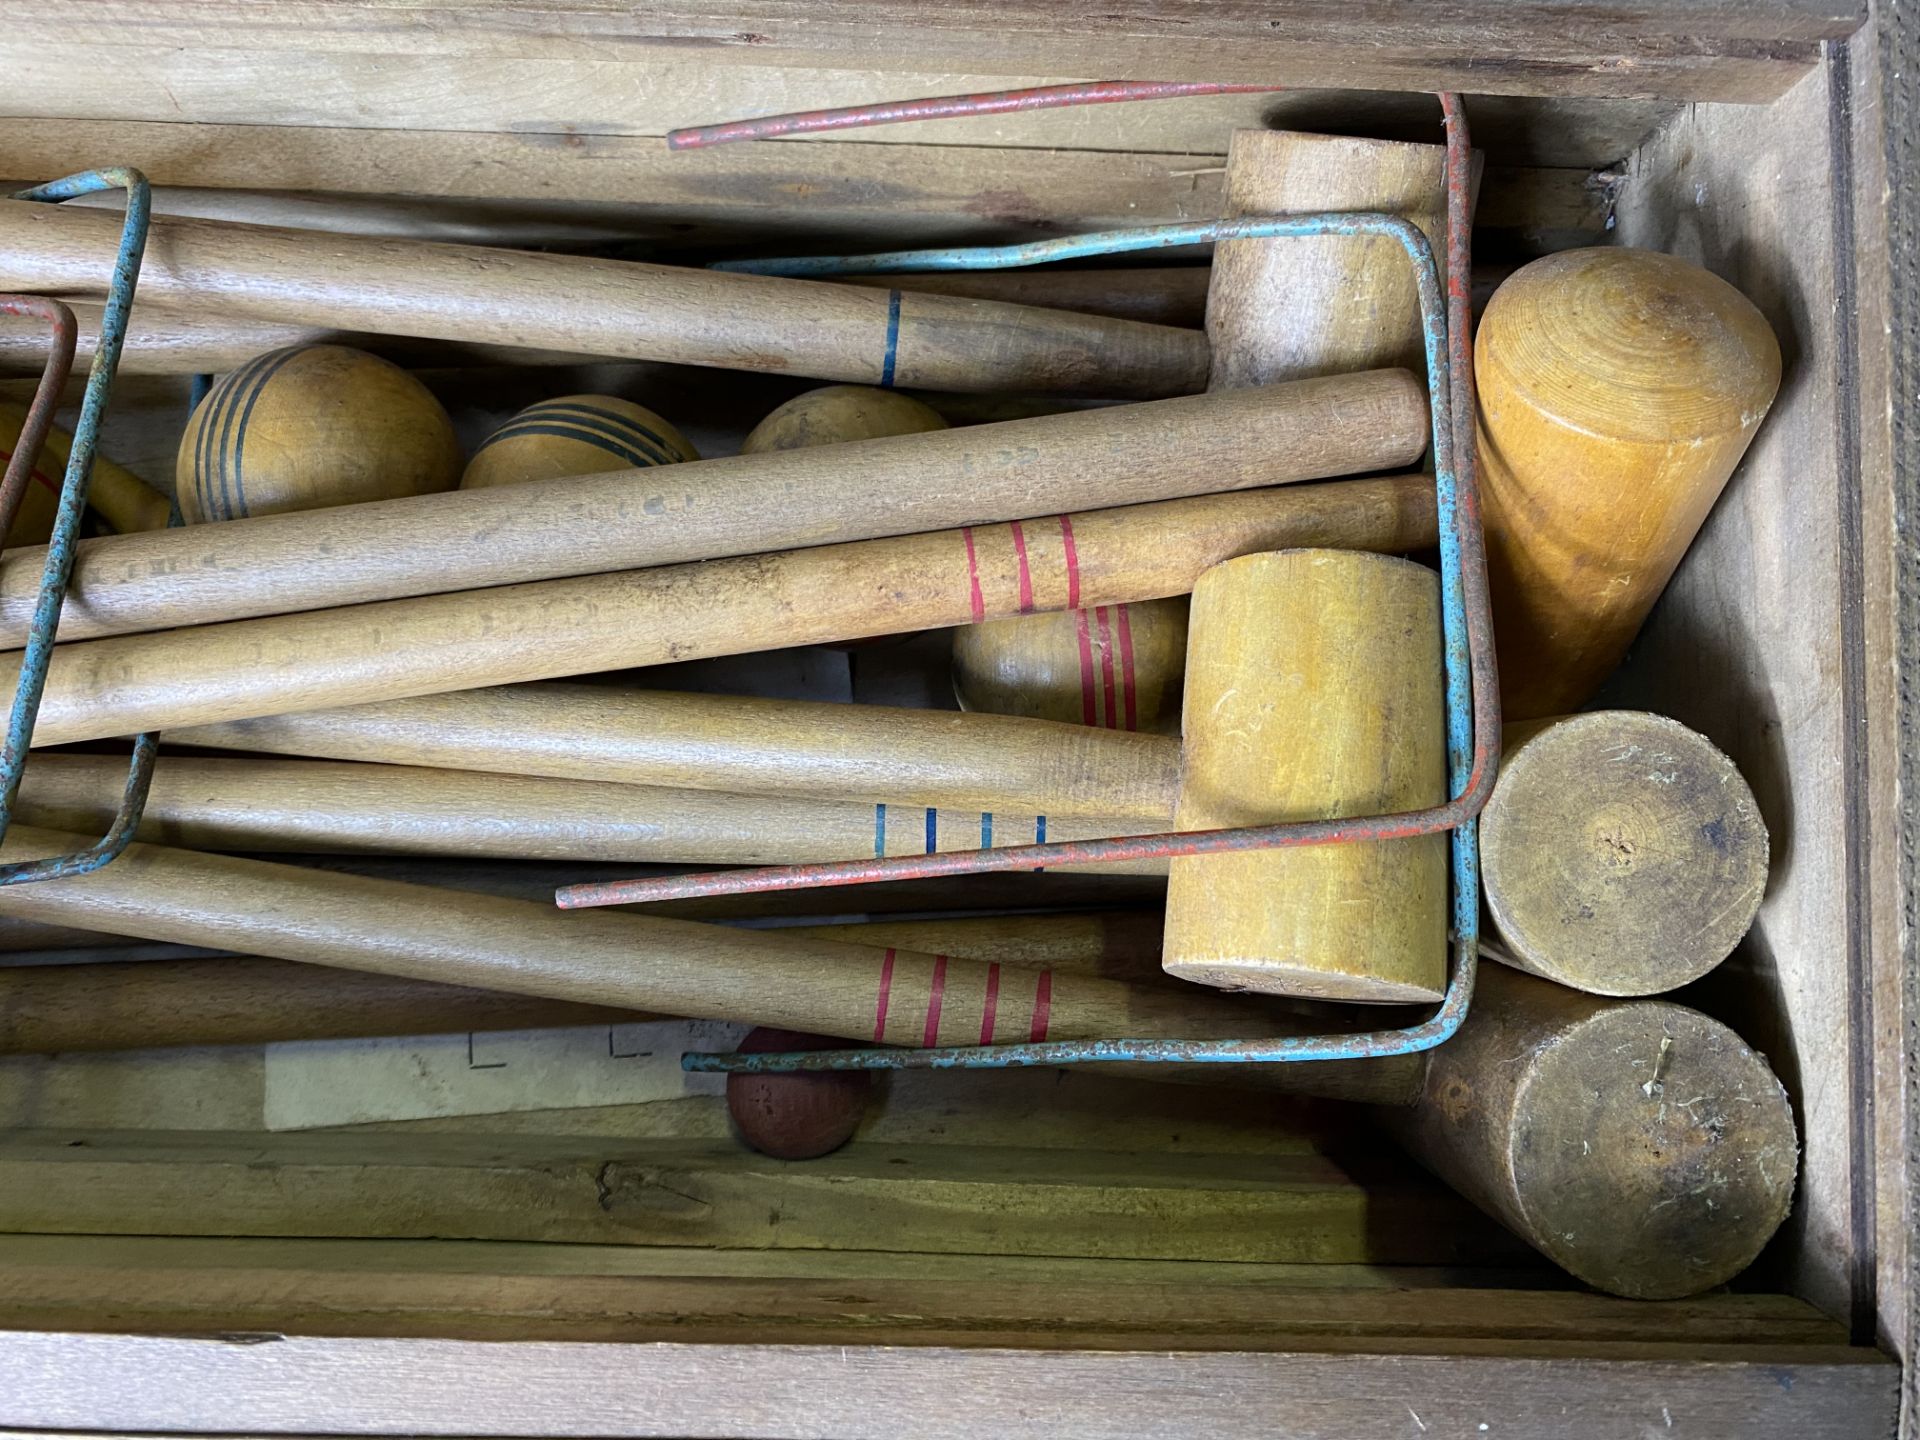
x=1618, y=390
x=1621, y=853
x=1120, y=667
x=312, y=428
x=836, y=414
x=1314, y=692
x=575, y=435
x=1638, y=1144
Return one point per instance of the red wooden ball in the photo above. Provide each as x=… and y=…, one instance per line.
x=797, y=1116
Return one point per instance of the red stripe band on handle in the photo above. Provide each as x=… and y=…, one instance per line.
x=992, y=1004
x=1127, y=687
x=932, y=1035
x=880, y=1004
x=1073, y=563
x=1026, y=575
x=1088, y=712
x=973, y=575
x=1106, y=665
x=1042, y=1005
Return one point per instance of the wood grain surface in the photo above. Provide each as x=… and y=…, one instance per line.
x=741, y=505
x=680, y=967
x=823, y=751
x=300, y=1386
x=275, y=805
x=1314, y=692
x=398, y=648
x=614, y=308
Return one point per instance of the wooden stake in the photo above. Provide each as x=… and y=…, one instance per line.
x=314, y=805
x=247, y=1000
x=1618, y=390
x=872, y=995
x=821, y=751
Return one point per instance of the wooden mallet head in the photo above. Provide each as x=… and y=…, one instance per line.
x=1314, y=691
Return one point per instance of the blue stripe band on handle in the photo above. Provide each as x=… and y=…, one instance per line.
x=933, y=831
x=893, y=340
x=879, y=832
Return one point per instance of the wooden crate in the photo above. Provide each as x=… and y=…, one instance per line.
x=1028, y=1254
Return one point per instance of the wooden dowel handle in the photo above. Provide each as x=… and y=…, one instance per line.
x=605, y=307
x=740, y=505
x=362, y=653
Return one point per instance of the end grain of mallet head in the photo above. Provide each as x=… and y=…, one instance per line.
x=1640, y=1145
x=796, y=1117
x=1622, y=853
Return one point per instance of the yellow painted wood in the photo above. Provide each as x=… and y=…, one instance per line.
x=1618, y=390
x=309, y=429
x=361, y=653
x=115, y=493
x=575, y=435
x=1314, y=691
x=836, y=414
x=1621, y=853
x=1118, y=667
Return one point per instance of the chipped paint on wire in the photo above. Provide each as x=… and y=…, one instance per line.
x=1473, y=706
x=950, y=107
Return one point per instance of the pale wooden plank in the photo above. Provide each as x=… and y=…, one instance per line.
x=1883, y=99
x=1692, y=51
x=524, y=189
x=943, y=1199
x=549, y=1292
x=1747, y=644
x=390, y=1387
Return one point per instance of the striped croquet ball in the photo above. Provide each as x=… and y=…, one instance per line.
x=306, y=428
x=575, y=435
